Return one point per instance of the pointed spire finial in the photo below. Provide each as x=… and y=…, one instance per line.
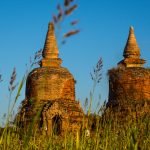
x=51, y=26
x=50, y=52
x=131, y=29
x=132, y=52
x=131, y=49
x=50, y=47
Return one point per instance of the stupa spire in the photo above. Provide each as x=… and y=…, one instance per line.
x=50, y=47
x=50, y=52
x=131, y=52
x=131, y=49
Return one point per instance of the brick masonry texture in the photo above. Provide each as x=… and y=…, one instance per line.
x=129, y=82
x=50, y=94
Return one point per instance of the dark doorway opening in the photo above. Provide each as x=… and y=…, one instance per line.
x=57, y=125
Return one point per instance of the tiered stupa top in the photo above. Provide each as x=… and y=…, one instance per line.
x=131, y=52
x=50, y=81
x=50, y=51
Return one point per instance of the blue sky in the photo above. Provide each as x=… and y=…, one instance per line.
x=104, y=26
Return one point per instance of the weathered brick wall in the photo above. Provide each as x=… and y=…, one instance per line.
x=70, y=112
x=49, y=83
x=128, y=86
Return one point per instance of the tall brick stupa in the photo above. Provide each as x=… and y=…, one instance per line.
x=129, y=82
x=50, y=91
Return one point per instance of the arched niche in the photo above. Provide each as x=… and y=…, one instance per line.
x=57, y=125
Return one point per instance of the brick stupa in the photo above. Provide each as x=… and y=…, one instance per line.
x=129, y=82
x=50, y=91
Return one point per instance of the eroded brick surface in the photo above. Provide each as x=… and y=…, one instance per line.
x=129, y=82
x=50, y=94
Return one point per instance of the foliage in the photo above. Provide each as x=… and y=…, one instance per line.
x=64, y=10
x=108, y=134
x=96, y=77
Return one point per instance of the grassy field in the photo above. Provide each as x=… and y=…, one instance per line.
x=133, y=134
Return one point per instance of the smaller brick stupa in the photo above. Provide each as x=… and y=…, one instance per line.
x=129, y=82
x=50, y=92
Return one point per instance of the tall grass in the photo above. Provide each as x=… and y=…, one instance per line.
x=106, y=135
